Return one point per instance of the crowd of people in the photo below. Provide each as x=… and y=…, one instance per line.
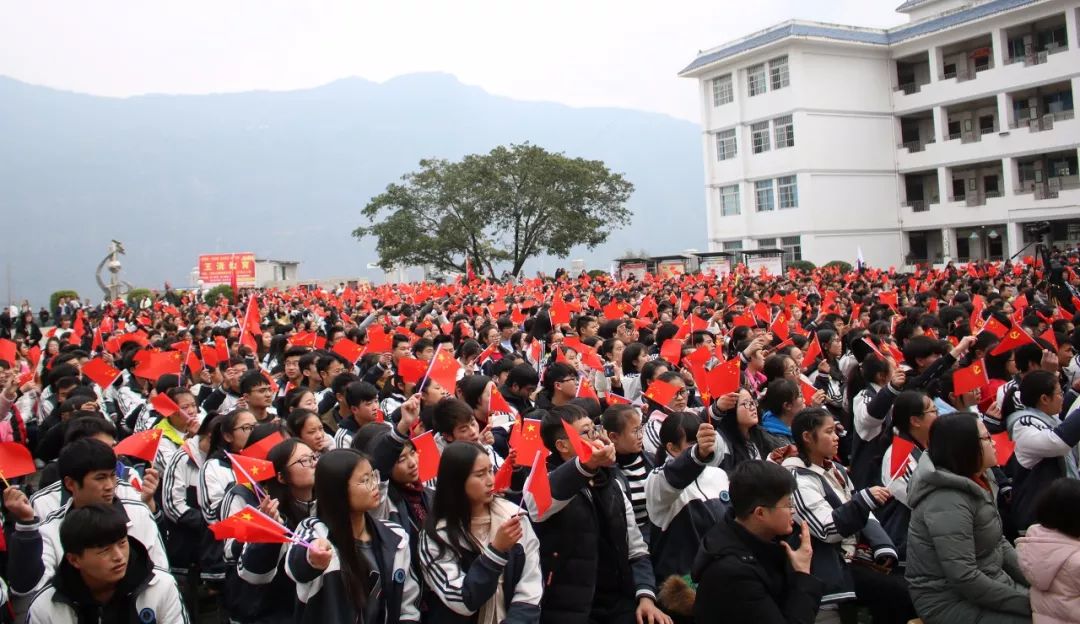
x=821, y=446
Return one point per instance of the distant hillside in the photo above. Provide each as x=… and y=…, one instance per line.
x=285, y=174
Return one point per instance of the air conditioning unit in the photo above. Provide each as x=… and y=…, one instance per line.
x=1033, y=125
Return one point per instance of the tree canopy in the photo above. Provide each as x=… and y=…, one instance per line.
x=506, y=206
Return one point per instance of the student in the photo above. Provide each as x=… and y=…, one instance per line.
x=184, y=523
x=357, y=568
x=960, y=566
x=228, y=433
x=1049, y=554
x=747, y=570
x=394, y=457
x=261, y=592
x=840, y=519
x=622, y=423
x=453, y=421
x=520, y=386
x=634, y=357
x=686, y=494
x=105, y=576
x=176, y=426
x=88, y=472
x=913, y=413
x=479, y=557
x=873, y=431
x=258, y=396
x=306, y=425
x=560, y=385
x=783, y=399
x=742, y=436
x=593, y=558
x=1046, y=447
x=362, y=403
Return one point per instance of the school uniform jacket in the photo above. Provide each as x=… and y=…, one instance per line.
x=52, y=497
x=257, y=588
x=463, y=586
x=180, y=504
x=1046, y=449
x=149, y=595
x=832, y=522
x=685, y=498
x=322, y=592
x=35, y=552
x=215, y=478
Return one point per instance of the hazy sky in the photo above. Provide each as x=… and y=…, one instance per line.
x=579, y=52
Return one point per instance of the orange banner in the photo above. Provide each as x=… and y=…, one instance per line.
x=218, y=268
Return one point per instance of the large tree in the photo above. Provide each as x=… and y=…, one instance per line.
x=508, y=205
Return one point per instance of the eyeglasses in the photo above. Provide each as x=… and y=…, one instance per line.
x=370, y=481
x=748, y=404
x=245, y=428
x=591, y=434
x=307, y=461
x=568, y=380
x=684, y=392
x=789, y=507
x=637, y=432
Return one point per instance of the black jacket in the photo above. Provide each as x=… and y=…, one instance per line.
x=744, y=579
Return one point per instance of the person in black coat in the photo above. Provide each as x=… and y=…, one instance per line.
x=747, y=569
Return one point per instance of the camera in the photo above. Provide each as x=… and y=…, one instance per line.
x=1038, y=228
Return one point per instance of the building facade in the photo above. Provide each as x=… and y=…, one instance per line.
x=937, y=140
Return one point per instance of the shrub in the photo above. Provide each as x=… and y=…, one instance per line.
x=54, y=299
x=595, y=273
x=844, y=267
x=136, y=295
x=801, y=265
x=221, y=290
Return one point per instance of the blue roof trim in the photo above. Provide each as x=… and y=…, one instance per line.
x=910, y=4
x=868, y=36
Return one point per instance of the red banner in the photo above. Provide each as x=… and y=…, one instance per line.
x=218, y=268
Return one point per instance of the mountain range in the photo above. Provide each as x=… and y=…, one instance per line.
x=285, y=174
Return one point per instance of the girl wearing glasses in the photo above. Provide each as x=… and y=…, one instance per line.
x=357, y=568
x=480, y=556
x=263, y=592
x=228, y=432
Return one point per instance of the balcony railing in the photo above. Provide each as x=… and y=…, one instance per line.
x=917, y=205
x=1043, y=122
x=917, y=145
x=909, y=87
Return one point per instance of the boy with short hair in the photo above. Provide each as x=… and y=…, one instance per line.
x=745, y=569
x=105, y=576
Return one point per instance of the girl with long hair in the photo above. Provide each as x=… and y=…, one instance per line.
x=352, y=566
x=480, y=557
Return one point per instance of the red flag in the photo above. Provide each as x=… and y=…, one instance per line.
x=559, y=311
x=525, y=439
x=100, y=372
x=428, y=452
x=813, y=352
x=349, y=350
x=261, y=449
x=15, y=460
x=157, y=363
x=503, y=477
x=724, y=379
x=7, y=351
x=538, y=484
x=411, y=370
x=661, y=392
x=222, y=347
x=34, y=355
x=1016, y=337
x=612, y=311
x=164, y=405
x=143, y=445
x=251, y=526
x=1003, y=447
x=583, y=450
x=970, y=378
x=615, y=399
x=808, y=392
x=497, y=403
x=1048, y=336
x=901, y=451
x=586, y=391
x=995, y=327
x=250, y=469
x=672, y=351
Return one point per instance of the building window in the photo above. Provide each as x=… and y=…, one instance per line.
x=778, y=73
x=765, y=243
x=784, y=130
x=729, y=200
x=788, y=191
x=759, y=133
x=722, y=93
x=792, y=246
x=725, y=144
x=763, y=194
x=755, y=79
x=732, y=245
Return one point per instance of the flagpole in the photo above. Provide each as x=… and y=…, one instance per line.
x=254, y=483
x=431, y=366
